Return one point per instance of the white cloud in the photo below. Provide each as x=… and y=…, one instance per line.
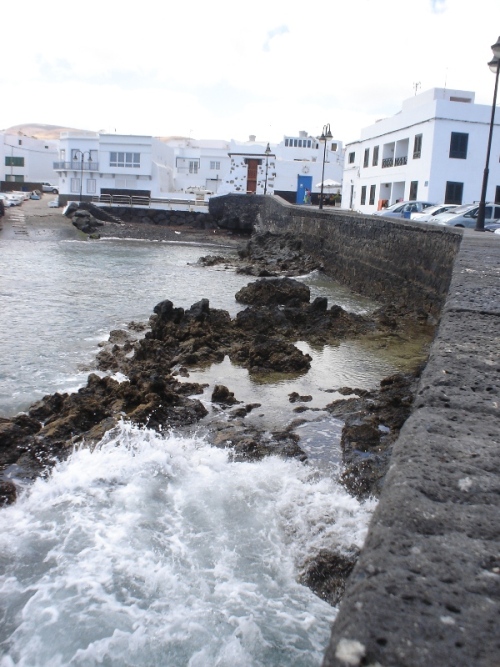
x=226, y=70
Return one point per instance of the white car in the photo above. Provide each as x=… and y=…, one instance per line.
x=16, y=199
x=6, y=201
x=428, y=214
x=49, y=187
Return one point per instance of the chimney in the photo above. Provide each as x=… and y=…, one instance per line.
x=251, y=137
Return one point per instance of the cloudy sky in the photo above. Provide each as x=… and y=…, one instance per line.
x=225, y=69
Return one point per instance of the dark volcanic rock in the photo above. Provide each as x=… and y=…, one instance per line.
x=372, y=422
x=327, y=572
x=221, y=394
x=274, y=292
x=275, y=254
x=271, y=354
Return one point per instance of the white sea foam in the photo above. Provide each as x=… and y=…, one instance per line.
x=156, y=550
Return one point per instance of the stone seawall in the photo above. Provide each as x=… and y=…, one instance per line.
x=425, y=591
x=391, y=261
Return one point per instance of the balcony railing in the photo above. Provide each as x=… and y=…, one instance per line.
x=76, y=165
x=397, y=162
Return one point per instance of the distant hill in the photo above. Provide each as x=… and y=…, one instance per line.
x=47, y=132
x=40, y=131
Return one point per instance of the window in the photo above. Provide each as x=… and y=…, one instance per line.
x=372, y=195
x=375, y=156
x=131, y=160
x=215, y=164
x=14, y=161
x=454, y=192
x=458, y=145
x=19, y=142
x=497, y=194
x=12, y=178
x=366, y=159
x=417, y=146
x=334, y=147
x=75, y=185
x=363, y=195
x=91, y=186
x=351, y=158
x=193, y=166
x=413, y=189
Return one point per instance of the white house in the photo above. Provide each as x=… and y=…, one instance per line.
x=93, y=164
x=26, y=159
x=434, y=149
x=288, y=168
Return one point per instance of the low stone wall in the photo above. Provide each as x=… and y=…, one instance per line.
x=425, y=591
x=392, y=261
x=161, y=217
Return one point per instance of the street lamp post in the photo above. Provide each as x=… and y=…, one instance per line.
x=82, y=156
x=267, y=153
x=325, y=136
x=494, y=66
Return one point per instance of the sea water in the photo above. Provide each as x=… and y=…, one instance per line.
x=155, y=548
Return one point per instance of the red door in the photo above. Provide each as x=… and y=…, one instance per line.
x=253, y=166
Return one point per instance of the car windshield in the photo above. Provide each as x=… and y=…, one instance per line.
x=461, y=209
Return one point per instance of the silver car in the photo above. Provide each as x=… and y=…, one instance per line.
x=403, y=209
x=431, y=211
x=466, y=216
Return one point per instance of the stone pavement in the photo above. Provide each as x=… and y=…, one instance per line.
x=426, y=589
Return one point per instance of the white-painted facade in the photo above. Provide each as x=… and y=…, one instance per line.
x=26, y=159
x=93, y=164
x=434, y=149
x=293, y=165
x=178, y=166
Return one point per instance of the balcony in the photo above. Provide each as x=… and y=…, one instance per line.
x=394, y=162
x=76, y=165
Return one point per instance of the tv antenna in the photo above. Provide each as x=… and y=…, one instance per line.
x=417, y=86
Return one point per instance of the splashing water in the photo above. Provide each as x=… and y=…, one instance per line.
x=158, y=550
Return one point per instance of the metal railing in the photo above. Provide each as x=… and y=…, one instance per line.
x=391, y=162
x=147, y=202
x=76, y=165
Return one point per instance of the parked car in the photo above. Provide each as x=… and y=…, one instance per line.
x=11, y=199
x=49, y=187
x=6, y=201
x=16, y=199
x=466, y=216
x=404, y=209
x=22, y=194
x=492, y=227
x=428, y=214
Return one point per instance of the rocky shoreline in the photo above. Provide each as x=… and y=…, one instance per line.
x=150, y=365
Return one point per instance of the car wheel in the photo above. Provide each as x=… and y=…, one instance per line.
x=461, y=226
x=55, y=192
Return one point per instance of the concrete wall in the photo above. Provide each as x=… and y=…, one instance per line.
x=426, y=589
x=393, y=261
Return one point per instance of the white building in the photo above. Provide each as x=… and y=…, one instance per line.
x=26, y=159
x=434, y=149
x=289, y=169
x=93, y=164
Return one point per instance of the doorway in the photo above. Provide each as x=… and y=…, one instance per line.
x=303, y=183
